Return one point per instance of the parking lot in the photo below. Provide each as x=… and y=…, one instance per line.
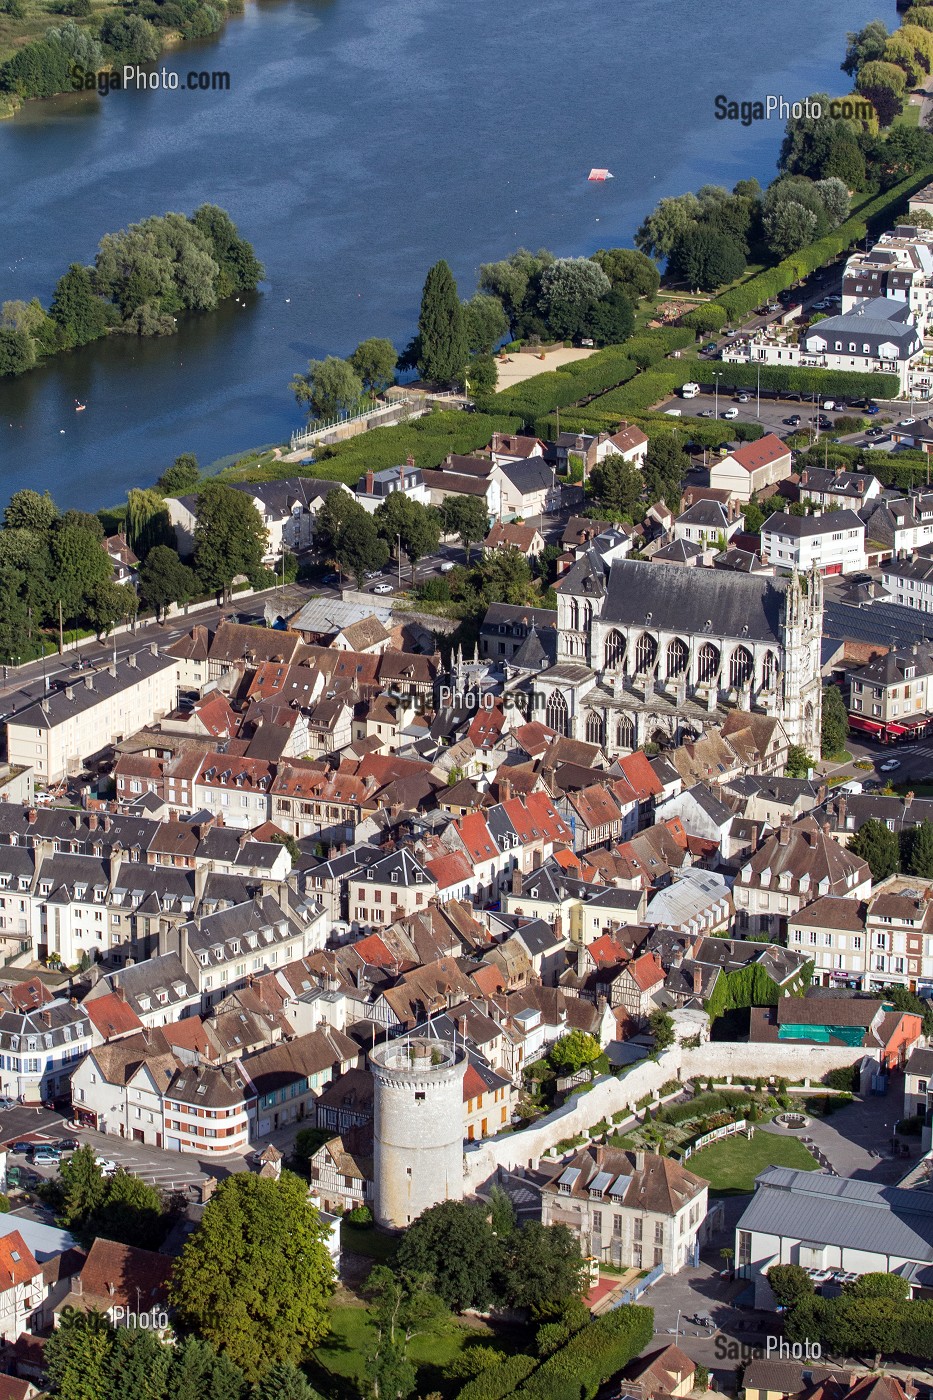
x=770, y=414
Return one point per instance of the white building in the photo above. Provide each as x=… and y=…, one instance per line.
x=376, y=487
x=287, y=510
x=910, y=581
x=57, y=735
x=899, y=266
x=833, y=543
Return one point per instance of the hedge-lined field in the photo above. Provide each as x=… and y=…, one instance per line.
x=592, y=1357
x=878, y=211
x=427, y=439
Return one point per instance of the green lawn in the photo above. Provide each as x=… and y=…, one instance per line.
x=343, y=1354
x=731, y=1165
x=366, y=1239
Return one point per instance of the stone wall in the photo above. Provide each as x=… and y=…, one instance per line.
x=610, y=1095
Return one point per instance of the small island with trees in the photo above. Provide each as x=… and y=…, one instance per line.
x=143, y=278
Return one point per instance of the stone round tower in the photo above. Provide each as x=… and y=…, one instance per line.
x=418, y=1127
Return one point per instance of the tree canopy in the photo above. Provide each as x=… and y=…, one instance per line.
x=442, y=328
x=255, y=1277
x=229, y=537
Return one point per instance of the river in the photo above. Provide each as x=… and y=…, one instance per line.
x=358, y=143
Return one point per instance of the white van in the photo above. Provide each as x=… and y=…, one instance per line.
x=690, y=391
x=673, y=413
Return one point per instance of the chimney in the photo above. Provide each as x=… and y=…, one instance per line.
x=505, y=789
x=409, y=460
x=536, y=858
x=697, y=981
x=370, y=482
x=131, y=661
x=639, y=1160
x=107, y=823
x=841, y=807
x=558, y=926
x=908, y=798
x=116, y=857
x=92, y=820
x=516, y=881
x=88, y=682
x=784, y=832
x=31, y=815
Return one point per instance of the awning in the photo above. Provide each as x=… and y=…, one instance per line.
x=896, y=729
x=868, y=726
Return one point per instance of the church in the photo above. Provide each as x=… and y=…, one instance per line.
x=656, y=653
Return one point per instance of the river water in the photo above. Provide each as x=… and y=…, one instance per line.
x=358, y=143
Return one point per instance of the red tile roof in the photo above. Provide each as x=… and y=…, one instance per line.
x=17, y=1263
x=111, y=1016
x=762, y=453
x=447, y=871
x=476, y=837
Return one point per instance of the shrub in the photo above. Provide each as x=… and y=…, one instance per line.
x=846, y=1078
x=670, y=1086
x=592, y=1356
x=360, y=1215
x=499, y=1381
x=427, y=439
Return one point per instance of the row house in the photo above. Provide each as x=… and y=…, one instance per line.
x=158, y=990
x=119, y=1088
x=288, y=1078
x=225, y=950
x=795, y=867
x=390, y=888
x=237, y=789
x=39, y=1050
x=324, y=803
x=871, y=942
x=208, y=1110
x=893, y=694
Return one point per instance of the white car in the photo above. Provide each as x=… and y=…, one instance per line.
x=889, y=765
x=107, y=1167
x=906, y=422
x=382, y=588
x=730, y=413
x=741, y=398
x=448, y=566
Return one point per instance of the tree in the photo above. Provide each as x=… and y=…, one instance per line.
x=138, y=1365
x=466, y=517
x=918, y=850
x=705, y=320
x=453, y=1242
x=78, y=563
x=706, y=259
x=501, y=1213
x=659, y=232
x=358, y=547
x=798, y=763
x=574, y=1049
x=911, y=58
x=418, y=526
x=401, y=1305
x=131, y=1213
x=515, y=281
x=330, y=387
x=874, y=843
x=77, y=1355
x=665, y=467
x=229, y=537
x=82, y=315
x=629, y=271
x=27, y=510
x=481, y=375
x=835, y=722
x=373, y=362
x=180, y=477
x=284, y=1381
x=485, y=323
x=442, y=329
x=198, y=1373
x=612, y=319
x=902, y=999
x=255, y=1277
x=164, y=579
x=662, y=1028
x=17, y=352
x=617, y=486
x=282, y=838
x=885, y=86
x=147, y=521
x=835, y=197
x=790, y=1284
x=878, y=1286
x=239, y=268
x=543, y=1266
x=865, y=46
x=108, y=603
x=570, y=289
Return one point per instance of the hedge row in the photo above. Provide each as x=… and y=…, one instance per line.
x=705, y=432
x=902, y=472
x=560, y=388
x=592, y=1356
x=741, y=300
x=499, y=1381
x=427, y=439
x=657, y=384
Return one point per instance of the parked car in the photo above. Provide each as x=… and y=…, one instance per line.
x=906, y=422
x=64, y=1145
x=708, y=349
x=448, y=566
x=45, y=1157
x=741, y=398
x=706, y=413
x=871, y=409
x=20, y=1149
x=382, y=588
x=106, y=1166
x=331, y=580
x=793, y=421
x=6, y=1104
x=21, y=1179
x=730, y=413
x=874, y=432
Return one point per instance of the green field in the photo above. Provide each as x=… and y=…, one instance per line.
x=731, y=1165
x=343, y=1354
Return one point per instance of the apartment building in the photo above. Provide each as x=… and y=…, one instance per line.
x=833, y=543
x=795, y=867
x=57, y=735
x=894, y=691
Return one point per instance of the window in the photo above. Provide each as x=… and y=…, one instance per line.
x=597, y=1222
x=659, y=1232
x=639, y=1227
x=658, y=1257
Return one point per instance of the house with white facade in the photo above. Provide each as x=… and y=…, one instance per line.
x=833, y=543
x=375, y=487
x=753, y=467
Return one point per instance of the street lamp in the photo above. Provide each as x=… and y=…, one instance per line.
x=758, y=409
x=716, y=379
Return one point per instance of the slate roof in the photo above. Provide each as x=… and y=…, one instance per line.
x=668, y=598
x=800, y=527
x=529, y=475
x=833, y=1210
